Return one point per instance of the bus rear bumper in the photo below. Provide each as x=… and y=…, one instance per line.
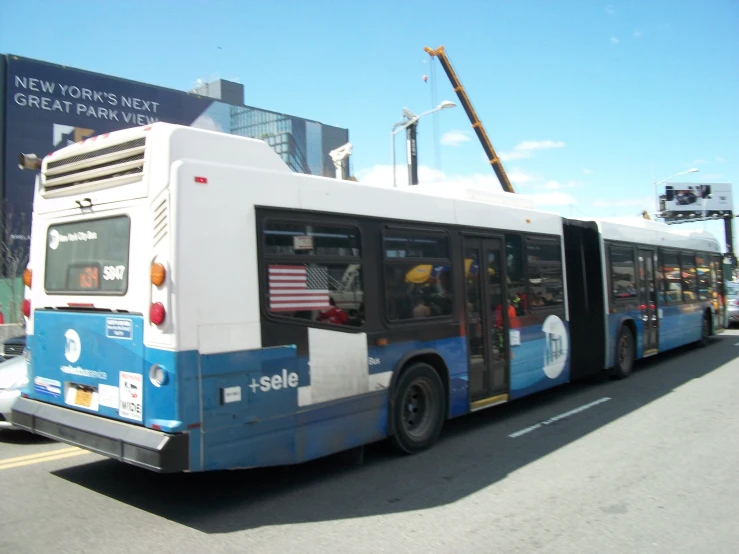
x=132, y=444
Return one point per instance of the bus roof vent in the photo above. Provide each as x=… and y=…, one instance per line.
x=112, y=165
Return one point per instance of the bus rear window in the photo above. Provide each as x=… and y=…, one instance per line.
x=88, y=257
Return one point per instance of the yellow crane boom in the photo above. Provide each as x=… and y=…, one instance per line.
x=476, y=123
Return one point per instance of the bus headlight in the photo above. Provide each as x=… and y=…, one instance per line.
x=158, y=375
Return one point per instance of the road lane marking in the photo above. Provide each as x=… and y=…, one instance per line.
x=57, y=454
x=40, y=454
x=558, y=417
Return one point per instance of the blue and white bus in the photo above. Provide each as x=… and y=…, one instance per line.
x=194, y=305
x=637, y=288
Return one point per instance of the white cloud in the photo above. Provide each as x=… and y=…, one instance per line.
x=556, y=185
x=720, y=159
x=454, y=138
x=700, y=161
x=712, y=177
x=587, y=171
x=520, y=177
x=515, y=155
x=554, y=199
x=539, y=144
x=438, y=182
x=614, y=40
x=207, y=123
x=610, y=10
x=525, y=148
x=638, y=34
x=382, y=176
x=642, y=202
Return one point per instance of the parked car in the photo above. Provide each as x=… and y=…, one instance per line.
x=732, y=302
x=13, y=347
x=13, y=378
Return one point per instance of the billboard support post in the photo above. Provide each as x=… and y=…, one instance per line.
x=729, y=232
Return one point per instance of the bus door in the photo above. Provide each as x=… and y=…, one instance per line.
x=648, y=302
x=487, y=321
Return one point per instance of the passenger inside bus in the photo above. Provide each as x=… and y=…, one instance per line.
x=334, y=314
x=421, y=308
x=356, y=317
x=512, y=316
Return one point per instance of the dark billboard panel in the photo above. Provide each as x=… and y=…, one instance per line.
x=49, y=106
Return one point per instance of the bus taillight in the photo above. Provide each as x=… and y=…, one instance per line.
x=27, y=277
x=157, y=313
x=26, y=307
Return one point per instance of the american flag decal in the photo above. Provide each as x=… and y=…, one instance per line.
x=297, y=287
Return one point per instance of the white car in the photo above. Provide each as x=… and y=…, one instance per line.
x=13, y=378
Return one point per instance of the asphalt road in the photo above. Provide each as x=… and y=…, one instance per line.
x=647, y=465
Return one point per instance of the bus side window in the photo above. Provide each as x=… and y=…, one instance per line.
x=314, y=272
x=623, y=272
x=545, y=272
x=703, y=270
x=515, y=275
x=673, y=277
x=417, y=272
x=690, y=282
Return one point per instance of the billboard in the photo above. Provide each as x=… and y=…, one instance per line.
x=48, y=106
x=698, y=199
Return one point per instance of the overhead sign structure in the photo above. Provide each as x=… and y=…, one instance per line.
x=697, y=200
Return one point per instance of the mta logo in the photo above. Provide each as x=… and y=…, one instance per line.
x=73, y=346
x=64, y=135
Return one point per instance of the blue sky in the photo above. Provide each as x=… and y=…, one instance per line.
x=587, y=102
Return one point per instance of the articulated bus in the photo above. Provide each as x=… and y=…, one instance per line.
x=193, y=305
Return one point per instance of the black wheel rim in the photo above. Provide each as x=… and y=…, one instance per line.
x=624, y=352
x=419, y=406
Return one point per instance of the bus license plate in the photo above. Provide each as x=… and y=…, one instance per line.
x=83, y=398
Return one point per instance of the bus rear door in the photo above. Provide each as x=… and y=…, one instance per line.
x=648, y=302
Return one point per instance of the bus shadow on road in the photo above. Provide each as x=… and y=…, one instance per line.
x=473, y=453
x=22, y=438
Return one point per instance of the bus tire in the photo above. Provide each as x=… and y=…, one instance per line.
x=419, y=408
x=625, y=354
x=705, y=331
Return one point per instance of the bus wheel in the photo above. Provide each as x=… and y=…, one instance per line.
x=624, y=354
x=705, y=331
x=418, y=408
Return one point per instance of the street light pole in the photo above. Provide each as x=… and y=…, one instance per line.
x=392, y=148
x=412, y=120
x=656, y=184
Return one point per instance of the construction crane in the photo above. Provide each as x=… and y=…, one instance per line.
x=476, y=123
